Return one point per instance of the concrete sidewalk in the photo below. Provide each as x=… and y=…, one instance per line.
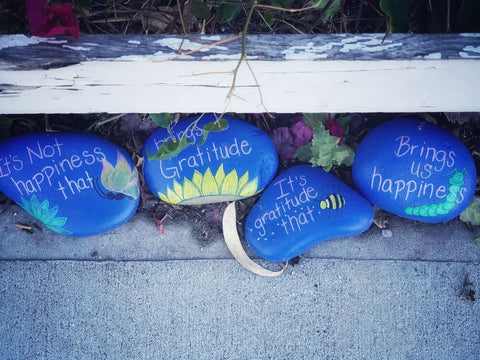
x=136, y=294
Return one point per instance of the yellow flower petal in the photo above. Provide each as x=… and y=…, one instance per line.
x=178, y=189
x=190, y=190
x=242, y=182
x=250, y=189
x=163, y=197
x=230, y=184
x=220, y=176
x=197, y=178
x=209, y=185
x=172, y=197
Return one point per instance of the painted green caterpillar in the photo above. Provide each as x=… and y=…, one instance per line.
x=456, y=182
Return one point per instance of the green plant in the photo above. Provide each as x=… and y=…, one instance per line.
x=333, y=8
x=472, y=213
x=325, y=149
x=228, y=11
x=398, y=13
x=173, y=147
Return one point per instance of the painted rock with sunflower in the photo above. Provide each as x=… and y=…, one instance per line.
x=76, y=184
x=206, y=159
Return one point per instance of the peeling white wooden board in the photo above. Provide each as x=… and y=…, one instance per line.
x=348, y=73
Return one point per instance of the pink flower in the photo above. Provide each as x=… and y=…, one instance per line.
x=51, y=20
x=302, y=134
x=283, y=140
x=335, y=128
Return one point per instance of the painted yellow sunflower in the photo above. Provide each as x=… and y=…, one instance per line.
x=209, y=188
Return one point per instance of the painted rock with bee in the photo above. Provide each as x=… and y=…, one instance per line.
x=205, y=159
x=302, y=207
x=76, y=184
x=416, y=170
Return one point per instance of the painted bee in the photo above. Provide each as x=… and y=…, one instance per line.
x=333, y=201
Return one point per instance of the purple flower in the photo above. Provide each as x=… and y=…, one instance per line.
x=335, y=128
x=283, y=140
x=302, y=134
x=51, y=20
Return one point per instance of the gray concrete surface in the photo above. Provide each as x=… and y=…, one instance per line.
x=139, y=239
x=213, y=309
x=136, y=294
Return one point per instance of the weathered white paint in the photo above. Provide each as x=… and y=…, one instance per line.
x=76, y=48
x=185, y=45
x=226, y=57
x=314, y=73
x=475, y=49
x=22, y=40
x=286, y=86
x=466, y=55
x=307, y=52
x=434, y=56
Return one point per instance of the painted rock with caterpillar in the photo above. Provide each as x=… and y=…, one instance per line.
x=415, y=169
x=220, y=160
x=302, y=207
x=76, y=184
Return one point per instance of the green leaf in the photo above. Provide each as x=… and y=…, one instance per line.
x=313, y=120
x=323, y=150
x=398, y=12
x=169, y=149
x=304, y=153
x=472, y=213
x=215, y=126
x=268, y=19
x=200, y=10
x=228, y=11
x=332, y=9
x=469, y=16
x=163, y=119
x=343, y=155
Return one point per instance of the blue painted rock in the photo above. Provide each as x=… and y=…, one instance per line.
x=76, y=184
x=301, y=208
x=416, y=170
x=231, y=163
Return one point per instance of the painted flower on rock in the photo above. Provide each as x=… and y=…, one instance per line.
x=218, y=188
x=45, y=214
x=120, y=180
x=51, y=20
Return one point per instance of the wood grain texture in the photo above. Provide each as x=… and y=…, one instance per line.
x=295, y=73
